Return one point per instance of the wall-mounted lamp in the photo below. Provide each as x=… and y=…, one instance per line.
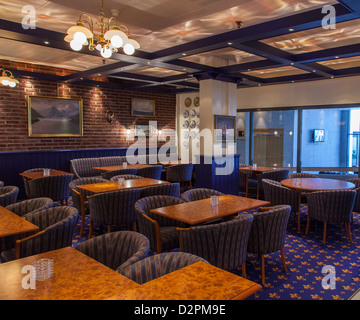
x=7, y=78
x=128, y=131
x=110, y=115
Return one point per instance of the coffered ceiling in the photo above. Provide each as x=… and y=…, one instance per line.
x=183, y=42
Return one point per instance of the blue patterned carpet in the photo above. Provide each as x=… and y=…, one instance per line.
x=305, y=257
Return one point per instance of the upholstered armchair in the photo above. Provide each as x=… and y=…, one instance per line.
x=331, y=207
x=108, y=175
x=114, y=208
x=356, y=181
x=301, y=175
x=125, y=176
x=25, y=207
x=277, y=194
x=181, y=173
x=268, y=232
x=170, y=189
x=53, y=187
x=276, y=175
x=199, y=194
x=8, y=195
x=56, y=229
x=152, y=172
x=117, y=250
x=223, y=244
x=80, y=197
x=160, y=231
x=158, y=265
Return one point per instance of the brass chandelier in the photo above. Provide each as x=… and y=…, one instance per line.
x=108, y=41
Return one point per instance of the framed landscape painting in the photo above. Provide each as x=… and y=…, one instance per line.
x=55, y=117
x=143, y=131
x=225, y=126
x=141, y=107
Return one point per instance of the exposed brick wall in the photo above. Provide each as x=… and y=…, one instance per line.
x=98, y=132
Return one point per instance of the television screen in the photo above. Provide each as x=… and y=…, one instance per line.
x=319, y=135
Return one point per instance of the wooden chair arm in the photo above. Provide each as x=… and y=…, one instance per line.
x=181, y=229
x=18, y=242
x=157, y=231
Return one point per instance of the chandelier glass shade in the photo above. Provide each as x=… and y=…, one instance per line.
x=7, y=79
x=110, y=39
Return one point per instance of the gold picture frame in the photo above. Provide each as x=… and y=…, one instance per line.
x=141, y=107
x=55, y=117
x=224, y=123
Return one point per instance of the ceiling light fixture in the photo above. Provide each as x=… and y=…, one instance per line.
x=7, y=79
x=110, y=39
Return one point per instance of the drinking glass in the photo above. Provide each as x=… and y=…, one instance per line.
x=214, y=200
x=124, y=165
x=120, y=181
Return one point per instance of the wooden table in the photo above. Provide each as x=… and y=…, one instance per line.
x=11, y=224
x=316, y=184
x=76, y=277
x=40, y=174
x=250, y=170
x=200, y=211
x=199, y=281
x=119, y=167
x=127, y=184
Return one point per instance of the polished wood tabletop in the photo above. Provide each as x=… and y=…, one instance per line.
x=200, y=211
x=76, y=277
x=317, y=184
x=127, y=184
x=198, y=281
x=40, y=174
x=119, y=167
x=12, y=224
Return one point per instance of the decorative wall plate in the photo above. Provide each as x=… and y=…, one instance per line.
x=198, y=113
x=192, y=124
x=192, y=134
x=198, y=145
x=186, y=134
x=185, y=114
x=186, y=144
x=192, y=113
x=198, y=124
x=196, y=101
x=187, y=102
x=186, y=124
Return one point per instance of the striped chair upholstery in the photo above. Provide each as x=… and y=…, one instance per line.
x=25, y=207
x=267, y=234
x=223, y=244
x=25, y=180
x=53, y=187
x=160, y=231
x=152, y=172
x=114, y=208
x=108, y=175
x=159, y=265
x=301, y=175
x=112, y=161
x=126, y=177
x=181, y=173
x=2, y=184
x=331, y=207
x=56, y=228
x=199, y=194
x=276, y=175
x=171, y=189
x=277, y=194
x=80, y=197
x=356, y=181
x=116, y=250
x=8, y=195
x=83, y=167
